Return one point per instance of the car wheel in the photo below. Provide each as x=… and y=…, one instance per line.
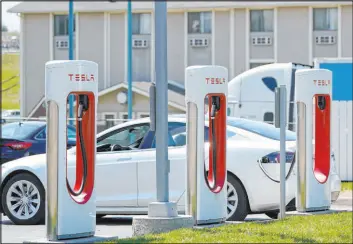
x=23, y=200
x=237, y=201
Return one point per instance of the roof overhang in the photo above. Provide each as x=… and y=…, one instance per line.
x=121, y=6
x=111, y=89
x=137, y=91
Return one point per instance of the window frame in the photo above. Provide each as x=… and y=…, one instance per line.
x=134, y=15
x=262, y=30
x=202, y=23
x=142, y=113
x=66, y=24
x=104, y=118
x=327, y=13
x=121, y=116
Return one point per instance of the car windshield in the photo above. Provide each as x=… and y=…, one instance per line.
x=18, y=131
x=260, y=128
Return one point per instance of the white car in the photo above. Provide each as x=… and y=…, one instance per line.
x=126, y=179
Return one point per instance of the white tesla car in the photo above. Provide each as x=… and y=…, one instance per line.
x=126, y=179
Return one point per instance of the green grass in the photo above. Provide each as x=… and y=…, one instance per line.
x=347, y=186
x=10, y=81
x=331, y=228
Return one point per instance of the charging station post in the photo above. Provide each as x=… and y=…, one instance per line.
x=206, y=182
x=162, y=214
x=280, y=122
x=313, y=96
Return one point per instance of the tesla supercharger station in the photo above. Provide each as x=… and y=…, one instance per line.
x=206, y=198
x=71, y=211
x=313, y=98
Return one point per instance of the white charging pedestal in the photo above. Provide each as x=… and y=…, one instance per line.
x=205, y=205
x=313, y=155
x=70, y=218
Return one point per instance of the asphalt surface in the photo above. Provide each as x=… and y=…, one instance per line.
x=117, y=226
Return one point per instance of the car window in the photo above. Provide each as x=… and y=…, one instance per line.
x=131, y=136
x=177, y=134
x=42, y=134
x=229, y=133
x=18, y=131
x=71, y=133
x=260, y=128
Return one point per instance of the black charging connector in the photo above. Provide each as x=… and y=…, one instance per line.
x=82, y=105
x=216, y=106
x=321, y=102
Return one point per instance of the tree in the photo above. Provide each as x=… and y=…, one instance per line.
x=4, y=28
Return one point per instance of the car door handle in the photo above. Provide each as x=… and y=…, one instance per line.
x=123, y=159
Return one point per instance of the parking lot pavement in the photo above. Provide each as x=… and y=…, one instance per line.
x=120, y=226
x=109, y=226
x=344, y=201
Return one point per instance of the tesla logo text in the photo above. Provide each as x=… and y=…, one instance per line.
x=215, y=80
x=322, y=82
x=81, y=77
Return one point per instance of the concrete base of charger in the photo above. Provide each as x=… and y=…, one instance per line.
x=162, y=217
x=91, y=239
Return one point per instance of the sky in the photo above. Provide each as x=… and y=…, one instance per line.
x=12, y=21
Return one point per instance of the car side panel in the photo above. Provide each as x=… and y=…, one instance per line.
x=263, y=193
x=116, y=179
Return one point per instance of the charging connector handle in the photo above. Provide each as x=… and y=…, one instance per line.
x=82, y=107
x=215, y=107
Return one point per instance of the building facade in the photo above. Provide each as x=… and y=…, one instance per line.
x=237, y=35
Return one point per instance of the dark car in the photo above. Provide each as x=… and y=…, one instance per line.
x=20, y=139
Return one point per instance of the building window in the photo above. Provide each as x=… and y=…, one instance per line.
x=123, y=117
x=61, y=25
x=254, y=65
x=261, y=20
x=109, y=120
x=325, y=19
x=199, y=22
x=141, y=24
x=143, y=115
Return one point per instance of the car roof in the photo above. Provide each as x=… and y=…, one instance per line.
x=171, y=118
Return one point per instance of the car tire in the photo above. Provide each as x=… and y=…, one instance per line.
x=27, y=193
x=236, y=197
